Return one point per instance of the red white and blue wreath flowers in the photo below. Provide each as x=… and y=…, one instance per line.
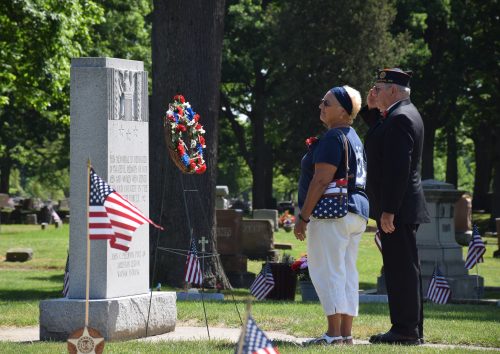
x=185, y=136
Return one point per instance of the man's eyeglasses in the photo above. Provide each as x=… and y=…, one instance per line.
x=325, y=103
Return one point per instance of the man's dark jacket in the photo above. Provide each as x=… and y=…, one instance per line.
x=393, y=147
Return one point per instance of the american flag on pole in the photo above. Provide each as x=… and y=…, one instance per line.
x=263, y=284
x=66, y=278
x=193, y=269
x=112, y=217
x=439, y=290
x=378, y=241
x=256, y=341
x=476, y=250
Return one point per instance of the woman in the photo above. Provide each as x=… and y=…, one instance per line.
x=332, y=244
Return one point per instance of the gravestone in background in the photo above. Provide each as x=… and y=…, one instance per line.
x=221, y=192
x=257, y=239
x=437, y=245
x=229, y=246
x=269, y=214
x=109, y=125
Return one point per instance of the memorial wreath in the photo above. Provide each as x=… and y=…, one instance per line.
x=184, y=136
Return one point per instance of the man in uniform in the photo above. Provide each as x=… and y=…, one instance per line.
x=393, y=146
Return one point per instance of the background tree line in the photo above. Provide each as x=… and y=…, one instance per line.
x=278, y=59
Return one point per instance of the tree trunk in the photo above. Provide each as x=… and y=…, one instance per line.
x=428, y=150
x=5, y=168
x=186, y=55
x=451, y=156
x=495, y=199
x=483, y=155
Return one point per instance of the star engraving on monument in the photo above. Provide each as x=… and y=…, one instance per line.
x=135, y=131
x=128, y=134
x=86, y=344
x=121, y=130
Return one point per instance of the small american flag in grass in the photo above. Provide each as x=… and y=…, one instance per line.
x=378, y=241
x=439, y=290
x=263, y=284
x=476, y=250
x=255, y=341
x=193, y=270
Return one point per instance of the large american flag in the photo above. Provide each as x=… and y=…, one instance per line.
x=65, y=289
x=193, y=270
x=263, y=284
x=439, y=290
x=255, y=341
x=476, y=250
x=112, y=217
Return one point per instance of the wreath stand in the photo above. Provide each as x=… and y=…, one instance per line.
x=203, y=254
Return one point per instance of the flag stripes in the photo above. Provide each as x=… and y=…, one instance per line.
x=111, y=216
x=193, y=270
x=66, y=278
x=439, y=290
x=263, y=284
x=476, y=250
x=378, y=240
x=256, y=341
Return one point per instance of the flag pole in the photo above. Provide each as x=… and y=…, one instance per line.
x=87, y=286
x=477, y=280
x=244, y=328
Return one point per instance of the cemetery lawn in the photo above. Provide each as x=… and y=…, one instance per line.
x=22, y=285
x=218, y=346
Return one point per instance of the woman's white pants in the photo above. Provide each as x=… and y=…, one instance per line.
x=332, y=251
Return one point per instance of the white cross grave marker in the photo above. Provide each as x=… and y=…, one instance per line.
x=203, y=242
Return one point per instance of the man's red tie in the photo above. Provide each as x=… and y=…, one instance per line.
x=385, y=114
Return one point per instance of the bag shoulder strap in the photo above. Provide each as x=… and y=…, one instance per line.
x=346, y=148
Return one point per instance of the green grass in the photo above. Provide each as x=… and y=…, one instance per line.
x=22, y=285
x=190, y=347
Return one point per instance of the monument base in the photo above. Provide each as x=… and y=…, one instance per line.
x=462, y=287
x=119, y=318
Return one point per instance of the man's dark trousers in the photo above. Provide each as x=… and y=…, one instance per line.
x=403, y=279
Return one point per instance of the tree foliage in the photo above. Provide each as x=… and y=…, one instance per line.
x=37, y=40
x=279, y=60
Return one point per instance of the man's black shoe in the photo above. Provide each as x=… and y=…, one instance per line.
x=422, y=341
x=394, y=338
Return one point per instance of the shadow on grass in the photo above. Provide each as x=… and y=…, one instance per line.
x=57, y=278
x=31, y=294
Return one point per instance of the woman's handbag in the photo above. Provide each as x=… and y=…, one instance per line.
x=333, y=202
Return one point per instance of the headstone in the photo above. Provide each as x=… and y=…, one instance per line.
x=63, y=204
x=436, y=242
x=19, y=254
x=109, y=125
x=229, y=246
x=31, y=219
x=269, y=214
x=221, y=202
x=463, y=220
x=258, y=239
x=228, y=231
